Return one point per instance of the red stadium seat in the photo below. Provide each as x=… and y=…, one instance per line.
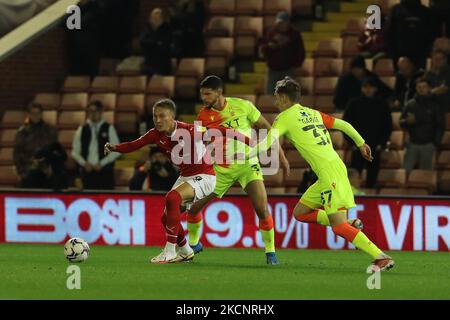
x=328, y=67
x=307, y=85
x=266, y=103
x=222, y=7
x=324, y=104
x=104, y=84
x=220, y=46
x=443, y=160
x=329, y=48
x=219, y=26
x=216, y=66
x=163, y=85
x=71, y=119
x=108, y=100
x=249, y=7
x=272, y=7
x=307, y=68
x=76, y=84
x=354, y=27
x=445, y=142
x=7, y=137
x=50, y=117
x=303, y=8
x=397, y=140
x=424, y=179
x=126, y=123
x=8, y=176
x=392, y=177
x=444, y=182
x=350, y=46
x=12, y=119
x=6, y=156
x=248, y=32
x=190, y=71
x=131, y=103
x=74, y=101
x=308, y=101
x=133, y=84
x=325, y=85
x=392, y=159
x=295, y=160
x=48, y=100
x=384, y=68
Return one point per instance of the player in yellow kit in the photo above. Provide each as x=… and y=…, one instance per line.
x=326, y=202
x=240, y=115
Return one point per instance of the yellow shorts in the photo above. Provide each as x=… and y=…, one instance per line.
x=332, y=190
x=244, y=173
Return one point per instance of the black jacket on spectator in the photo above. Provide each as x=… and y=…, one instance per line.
x=409, y=31
x=371, y=117
x=156, y=45
x=349, y=87
x=405, y=89
x=429, y=126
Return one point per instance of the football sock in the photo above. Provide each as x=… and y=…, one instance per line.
x=173, y=203
x=267, y=233
x=170, y=247
x=185, y=249
x=318, y=216
x=357, y=238
x=194, y=224
x=181, y=239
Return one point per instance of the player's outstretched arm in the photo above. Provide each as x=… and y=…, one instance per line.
x=348, y=129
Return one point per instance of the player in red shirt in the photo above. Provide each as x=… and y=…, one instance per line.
x=184, y=145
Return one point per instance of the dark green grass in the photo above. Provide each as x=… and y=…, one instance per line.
x=39, y=272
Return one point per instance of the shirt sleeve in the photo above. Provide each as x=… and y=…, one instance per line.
x=279, y=128
x=113, y=139
x=148, y=138
x=348, y=129
x=328, y=120
x=253, y=113
x=76, y=148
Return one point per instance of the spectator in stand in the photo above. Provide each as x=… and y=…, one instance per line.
x=283, y=50
x=156, y=174
x=156, y=41
x=424, y=121
x=440, y=13
x=48, y=169
x=439, y=78
x=371, y=117
x=349, y=84
x=97, y=170
x=408, y=32
x=34, y=135
x=405, y=82
x=188, y=20
x=84, y=47
x=117, y=19
x=372, y=44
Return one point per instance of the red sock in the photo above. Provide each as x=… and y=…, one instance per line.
x=172, y=226
x=310, y=217
x=346, y=231
x=266, y=224
x=194, y=218
x=181, y=237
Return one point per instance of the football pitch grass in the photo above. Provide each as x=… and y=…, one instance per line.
x=39, y=272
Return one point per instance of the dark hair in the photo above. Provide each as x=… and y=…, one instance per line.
x=212, y=82
x=369, y=81
x=34, y=105
x=166, y=104
x=97, y=104
x=423, y=79
x=289, y=87
x=358, y=62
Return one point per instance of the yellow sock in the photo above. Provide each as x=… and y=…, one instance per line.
x=194, y=232
x=322, y=218
x=363, y=243
x=268, y=237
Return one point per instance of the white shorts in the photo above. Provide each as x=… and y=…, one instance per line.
x=203, y=184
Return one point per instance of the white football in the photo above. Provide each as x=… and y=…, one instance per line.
x=76, y=250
